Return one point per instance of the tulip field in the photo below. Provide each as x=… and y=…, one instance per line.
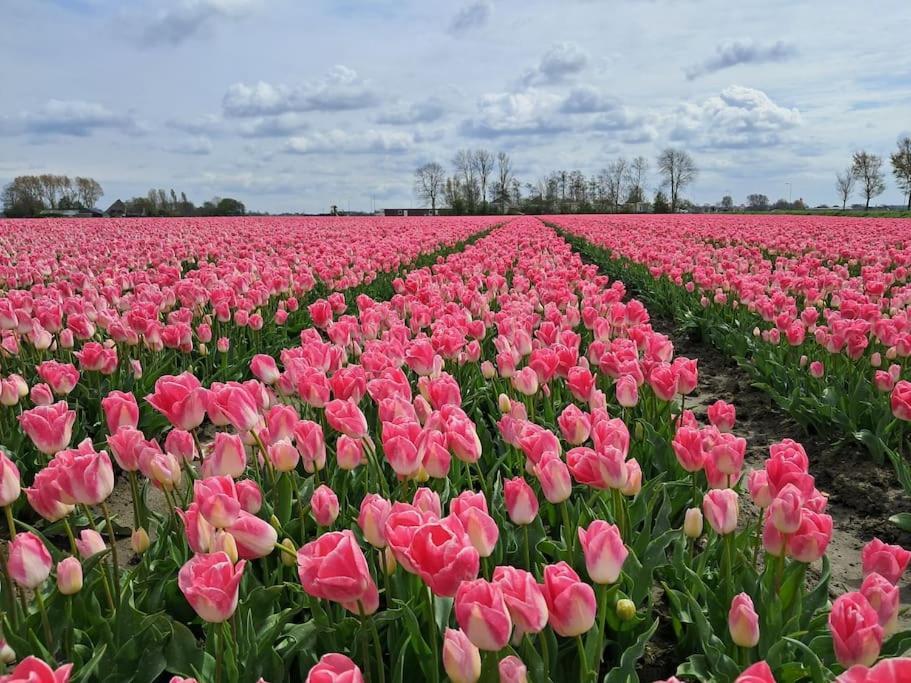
x=425, y=449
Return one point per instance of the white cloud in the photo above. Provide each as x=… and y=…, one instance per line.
x=470, y=17
x=198, y=146
x=341, y=89
x=75, y=118
x=529, y=112
x=426, y=111
x=732, y=53
x=187, y=18
x=737, y=117
x=342, y=142
x=559, y=63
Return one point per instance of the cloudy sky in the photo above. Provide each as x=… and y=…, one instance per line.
x=296, y=105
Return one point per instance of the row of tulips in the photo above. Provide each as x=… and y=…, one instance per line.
x=292, y=526
x=117, y=304
x=815, y=308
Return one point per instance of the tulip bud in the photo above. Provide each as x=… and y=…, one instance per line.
x=743, y=622
x=626, y=609
x=488, y=371
x=692, y=523
x=461, y=659
x=288, y=559
x=639, y=431
x=504, y=403
x=389, y=562
x=224, y=542
x=139, y=541
x=69, y=576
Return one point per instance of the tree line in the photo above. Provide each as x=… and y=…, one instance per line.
x=867, y=175
x=29, y=195
x=482, y=182
x=162, y=203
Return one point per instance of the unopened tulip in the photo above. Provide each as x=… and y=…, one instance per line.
x=574, y=425
x=324, y=506
x=525, y=381
x=90, y=542
x=855, y=628
x=720, y=508
x=604, y=551
x=372, y=519
x=10, y=487
x=255, y=537
x=512, y=670
x=786, y=510
x=139, y=541
x=884, y=597
x=289, y=559
x=626, y=609
x=69, y=576
x=553, y=475
x=349, y=453
x=521, y=501
x=743, y=622
x=210, y=584
x=29, y=562
x=335, y=668
x=461, y=658
x=311, y=443
x=346, y=418
x=627, y=391
x=264, y=368
x=180, y=442
x=228, y=456
x=692, y=523
x=481, y=612
x=249, y=495
x=428, y=501
x=283, y=455
x=571, y=603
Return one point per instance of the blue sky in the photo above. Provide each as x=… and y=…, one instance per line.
x=292, y=105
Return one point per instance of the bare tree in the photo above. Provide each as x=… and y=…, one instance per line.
x=616, y=177
x=901, y=166
x=429, y=182
x=88, y=191
x=638, y=171
x=504, y=182
x=867, y=168
x=463, y=161
x=678, y=170
x=844, y=186
x=482, y=160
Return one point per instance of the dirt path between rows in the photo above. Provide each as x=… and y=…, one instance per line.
x=862, y=495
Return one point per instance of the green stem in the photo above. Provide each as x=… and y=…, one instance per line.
x=527, y=549
x=114, y=561
x=219, y=651
x=583, y=661
x=10, y=522
x=434, y=636
x=39, y=598
x=69, y=532
x=568, y=535
x=381, y=666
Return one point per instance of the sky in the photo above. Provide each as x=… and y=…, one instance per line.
x=295, y=105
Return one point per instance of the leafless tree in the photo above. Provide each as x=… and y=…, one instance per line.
x=901, y=166
x=88, y=191
x=463, y=161
x=638, y=171
x=504, y=182
x=678, y=170
x=429, y=181
x=844, y=186
x=483, y=161
x=616, y=177
x=867, y=168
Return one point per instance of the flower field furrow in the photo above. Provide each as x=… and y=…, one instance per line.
x=486, y=471
x=816, y=309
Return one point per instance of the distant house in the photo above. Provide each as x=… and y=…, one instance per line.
x=116, y=210
x=71, y=213
x=408, y=212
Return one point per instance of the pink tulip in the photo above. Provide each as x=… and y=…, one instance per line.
x=49, y=427
x=604, y=551
x=602, y=469
x=210, y=584
x=335, y=668
x=786, y=510
x=525, y=381
x=324, y=506
x=574, y=425
x=29, y=562
x=512, y=670
x=283, y=455
x=722, y=415
x=521, y=502
x=481, y=613
x=441, y=553
x=40, y=395
x=255, y=537
x=89, y=543
x=553, y=475
x=886, y=671
x=855, y=628
x=345, y=417
x=84, y=475
x=33, y=670
x=61, y=377
x=264, y=368
x=743, y=622
x=217, y=500
x=428, y=501
x=234, y=403
x=311, y=443
x=720, y=507
x=249, y=495
x=461, y=658
x=809, y=542
x=627, y=391
x=10, y=485
x=334, y=568
x=571, y=604
x=120, y=410
x=228, y=456
x=884, y=597
x=524, y=599
x=181, y=399
x=181, y=444
x=126, y=444
x=69, y=576
x=760, y=672
x=888, y=560
x=349, y=453
x=372, y=517
x=280, y=421
x=688, y=447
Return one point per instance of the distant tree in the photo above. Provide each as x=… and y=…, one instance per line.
x=483, y=161
x=468, y=186
x=678, y=170
x=727, y=202
x=781, y=205
x=844, y=186
x=636, y=178
x=615, y=177
x=901, y=166
x=429, y=181
x=229, y=207
x=88, y=191
x=757, y=202
x=22, y=198
x=867, y=168
x=660, y=204
x=505, y=188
